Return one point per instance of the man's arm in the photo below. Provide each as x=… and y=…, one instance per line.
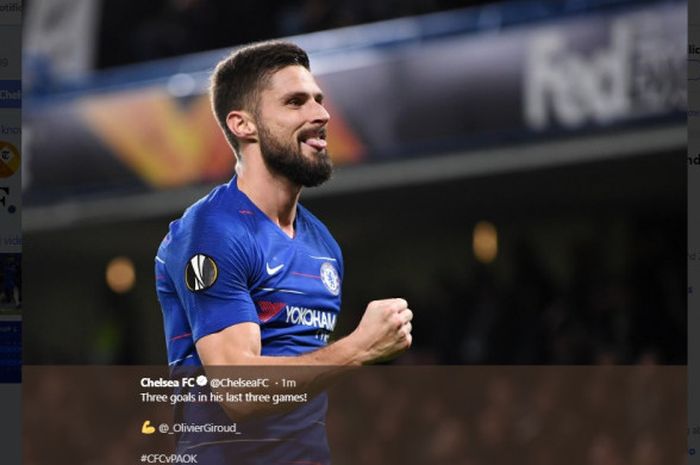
x=383, y=333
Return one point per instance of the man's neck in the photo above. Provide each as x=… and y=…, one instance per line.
x=274, y=195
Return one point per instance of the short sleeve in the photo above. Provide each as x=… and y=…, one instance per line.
x=212, y=266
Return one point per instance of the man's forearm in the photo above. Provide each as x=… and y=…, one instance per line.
x=384, y=332
x=344, y=352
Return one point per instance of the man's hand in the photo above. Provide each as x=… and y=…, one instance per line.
x=384, y=331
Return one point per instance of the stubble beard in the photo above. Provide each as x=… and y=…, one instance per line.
x=288, y=160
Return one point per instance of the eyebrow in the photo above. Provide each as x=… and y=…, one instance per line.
x=318, y=96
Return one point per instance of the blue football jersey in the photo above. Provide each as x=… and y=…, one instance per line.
x=225, y=262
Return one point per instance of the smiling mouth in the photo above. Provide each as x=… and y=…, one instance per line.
x=315, y=139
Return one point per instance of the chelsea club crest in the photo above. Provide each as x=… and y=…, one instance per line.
x=330, y=278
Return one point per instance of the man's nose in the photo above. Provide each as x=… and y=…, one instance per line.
x=319, y=113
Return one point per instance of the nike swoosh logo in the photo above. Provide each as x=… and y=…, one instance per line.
x=274, y=270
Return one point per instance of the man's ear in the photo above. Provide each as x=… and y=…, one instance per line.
x=241, y=124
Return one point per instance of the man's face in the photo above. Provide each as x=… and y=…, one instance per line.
x=291, y=123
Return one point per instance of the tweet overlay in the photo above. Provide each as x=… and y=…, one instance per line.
x=373, y=415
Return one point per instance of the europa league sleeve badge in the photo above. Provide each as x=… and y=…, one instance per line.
x=201, y=273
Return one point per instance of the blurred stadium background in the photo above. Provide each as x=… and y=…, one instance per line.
x=515, y=170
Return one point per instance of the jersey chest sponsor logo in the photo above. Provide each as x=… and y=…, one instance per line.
x=200, y=273
x=296, y=315
x=310, y=317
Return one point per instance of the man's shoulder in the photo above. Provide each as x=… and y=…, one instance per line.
x=223, y=207
x=219, y=218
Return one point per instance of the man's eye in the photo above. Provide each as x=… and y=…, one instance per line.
x=294, y=101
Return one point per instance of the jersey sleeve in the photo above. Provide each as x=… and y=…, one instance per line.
x=213, y=266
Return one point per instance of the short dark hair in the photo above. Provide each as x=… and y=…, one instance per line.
x=238, y=78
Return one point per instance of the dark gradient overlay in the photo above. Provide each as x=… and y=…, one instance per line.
x=376, y=415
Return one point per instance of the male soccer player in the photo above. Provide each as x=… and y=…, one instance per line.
x=248, y=276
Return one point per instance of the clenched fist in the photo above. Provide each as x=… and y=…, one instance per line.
x=384, y=331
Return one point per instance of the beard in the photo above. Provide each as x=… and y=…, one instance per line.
x=287, y=159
